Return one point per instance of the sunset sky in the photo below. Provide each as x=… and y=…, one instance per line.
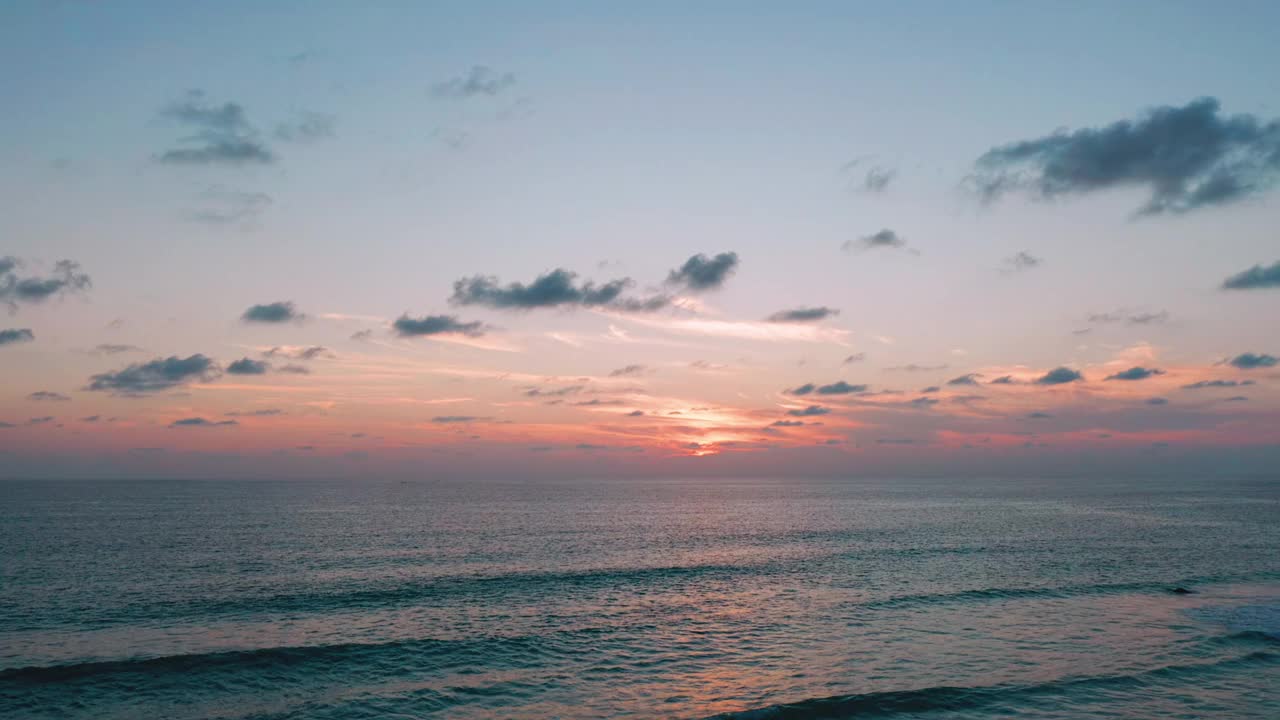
x=560, y=239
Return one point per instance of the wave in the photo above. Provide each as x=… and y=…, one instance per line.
x=949, y=698
x=1060, y=591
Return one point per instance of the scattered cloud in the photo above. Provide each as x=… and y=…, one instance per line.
x=1251, y=361
x=115, y=349
x=456, y=419
x=477, y=81
x=803, y=314
x=1157, y=401
x=1130, y=318
x=1202, y=384
x=307, y=127
x=630, y=371
x=1059, y=376
x=12, y=336
x=294, y=352
x=1135, y=373
x=276, y=312
x=224, y=206
x=156, y=375
x=885, y=238
x=1187, y=157
x=854, y=358
x=1004, y=380
x=700, y=273
x=193, y=422
x=1254, y=278
x=968, y=379
x=1020, y=261
x=47, y=396
x=406, y=326
x=811, y=411
x=295, y=370
x=840, y=387
x=266, y=412
x=222, y=134
x=16, y=289
x=914, y=367
x=558, y=288
x=248, y=366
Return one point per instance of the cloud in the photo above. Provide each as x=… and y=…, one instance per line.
x=276, y=312
x=156, y=375
x=406, y=326
x=557, y=288
x=1038, y=416
x=248, y=366
x=115, y=349
x=362, y=335
x=840, y=387
x=1254, y=278
x=787, y=423
x=1004, y=380
x=47, y=396
x=222, y=134
x=803, y=314
x=306, y=352
x=451, y=419
x=700, y=273
x=1187, y=158
x=306, y=127
x=1130, y=318
x=295, y=369
x=201, y=422
x=636, y=413
x=1250, y=361
x=1200, y=385
x=930, y=389
x=45, y=420
x=267, y=412
x=1135, y=373
x=222, y=206
x=1059, y=376
x=885, y=238
x=479, y=80
x=15, y=289
x=854, y=358
x=1020, y=261
x=913, y=367
x=629, y=371
x=13, y=336
x=810, y=411
x=557, y=392
x=969, y=379
x=877, y=179
x=1157, y=401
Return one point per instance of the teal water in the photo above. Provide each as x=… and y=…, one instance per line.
x=642, y=599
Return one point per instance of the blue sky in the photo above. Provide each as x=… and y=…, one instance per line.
x=614, y=142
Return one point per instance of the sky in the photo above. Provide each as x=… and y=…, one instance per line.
x=590, y=240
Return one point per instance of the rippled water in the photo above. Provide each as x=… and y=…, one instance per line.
x=681, y=599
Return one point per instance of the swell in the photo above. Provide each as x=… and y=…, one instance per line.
x=1060, y=591
x=405, y=655
x=950, y=698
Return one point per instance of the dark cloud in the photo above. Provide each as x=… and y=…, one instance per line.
x=222, y=134
x=451, y=419
x=479, y=80
x=803, y=314
x=885, y=238
x=840, y=387
x=786, y=423
x=1038, y=416
x=1251, y=361
x=406, y=326
x=629, y=371
x=48, y=396
x=1135, y=373
x=310, y=352
x=1254, y=278
x=810, y=411
x=923, y=402
x=16, y=289
x=11, y=336
x=1020, y=261
x=1004, y=380
x=854, y=358
x=700, y=272
x=635, y=413
x=556, y=392
x=1187, y=157
x=91, y=418
x=276, y=312
x=558, y=288
x=930, y=389
x=969, y=379
x=201, y=422
x=1059, y=376
x=156, y=375
x=307, y=127
x=1202, y=384
x=248, y=366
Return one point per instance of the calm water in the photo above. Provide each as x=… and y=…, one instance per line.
x=693, y=599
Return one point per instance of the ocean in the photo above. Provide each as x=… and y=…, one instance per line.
x=698, y=598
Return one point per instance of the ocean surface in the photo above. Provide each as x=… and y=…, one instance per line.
x=640, y=599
